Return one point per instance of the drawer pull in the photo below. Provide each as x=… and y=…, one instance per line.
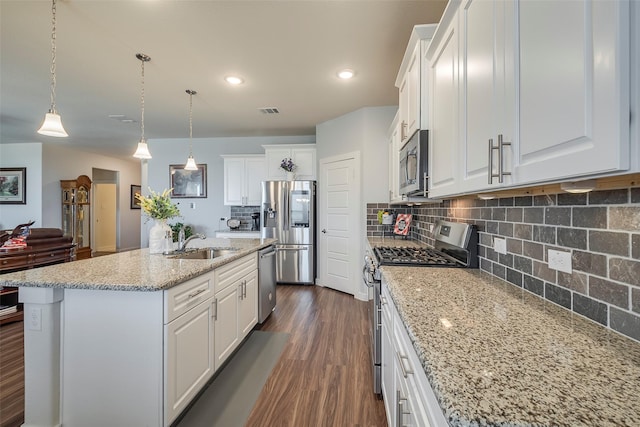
x=196, y=293
x=405, y=371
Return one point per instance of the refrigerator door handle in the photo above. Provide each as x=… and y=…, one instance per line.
x=287, y=214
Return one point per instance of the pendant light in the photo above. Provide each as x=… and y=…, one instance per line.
x=142, y=152
x=52, y=125
x=191, y=163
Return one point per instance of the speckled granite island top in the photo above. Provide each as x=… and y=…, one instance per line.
x=136, y=270
x=497, y=355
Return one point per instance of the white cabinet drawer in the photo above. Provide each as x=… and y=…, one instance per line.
x=228, y=274
x=182, y=298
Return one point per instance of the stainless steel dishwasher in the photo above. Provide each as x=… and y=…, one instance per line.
x=266, y=282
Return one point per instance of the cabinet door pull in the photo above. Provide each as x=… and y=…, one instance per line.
x=244, y=289
x=490, y=174
x=196, y=293
x=215, y=309
x=405, y=371
x=501, y=145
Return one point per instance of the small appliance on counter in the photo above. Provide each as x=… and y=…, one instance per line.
x=256, y=221
x=233, y=224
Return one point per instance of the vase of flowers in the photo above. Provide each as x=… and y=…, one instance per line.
x=288, y=166
x=158, y=206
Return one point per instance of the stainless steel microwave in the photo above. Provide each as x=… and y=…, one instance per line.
x=414, y=165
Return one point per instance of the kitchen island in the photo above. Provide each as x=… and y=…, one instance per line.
x=128, y=338
x=497, y=355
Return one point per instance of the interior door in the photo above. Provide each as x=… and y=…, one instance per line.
x=339, y=214
x=105, y=217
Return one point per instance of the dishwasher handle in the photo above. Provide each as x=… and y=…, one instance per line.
x=267, y=254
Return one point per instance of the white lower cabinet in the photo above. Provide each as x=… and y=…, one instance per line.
x=236, y=305
x=409, y=398
x=188, y=357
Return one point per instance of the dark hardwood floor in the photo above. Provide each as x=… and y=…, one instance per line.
x=323, y=377
x=11, y=374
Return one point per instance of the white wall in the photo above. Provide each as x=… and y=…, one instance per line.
x=204, y=218
x=365, y=130
x=27, y=155
x=64, y=163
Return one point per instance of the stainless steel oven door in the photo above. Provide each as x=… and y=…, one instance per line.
x=375, y=328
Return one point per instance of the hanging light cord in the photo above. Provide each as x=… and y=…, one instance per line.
x=53, y=56
x=142, y=101
x=190, y=123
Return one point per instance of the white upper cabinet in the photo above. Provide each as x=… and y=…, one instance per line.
x=243, y=176
x=394, y=165
x=444, y=122
x=412, y=87
x=542, y=93
x=302, y=155
x=573, y=79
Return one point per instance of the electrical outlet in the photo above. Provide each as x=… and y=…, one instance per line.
x=500, y=245
x=559, y=260
x=224, y=218
x=35, y=319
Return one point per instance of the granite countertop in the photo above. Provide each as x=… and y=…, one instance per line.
x=136, y=270
x=497, y=355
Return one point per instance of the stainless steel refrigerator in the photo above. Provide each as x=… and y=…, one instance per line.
x=289, y=215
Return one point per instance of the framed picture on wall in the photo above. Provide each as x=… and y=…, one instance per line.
x=186, y=183
x=135, y=190
x=13, y=186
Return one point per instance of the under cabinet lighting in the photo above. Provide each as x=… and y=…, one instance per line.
x=579, y=187
x=486, y=196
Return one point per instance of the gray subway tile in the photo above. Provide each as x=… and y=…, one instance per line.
x=590, y=217
x=533, y=215
x=505, y=259
x=575, y=281
x=514, y=246
x=506, y=201
x=624, y=322
x=523, y=231
x=635, y=246
x=505, y=229
x=558, y=295
x=486, y=239
x=557, y=216
x=544, y=234
x=499, y=271
x=514, y=214
x=523, y=264
x=609, y=197
x=534, y=285
x=625, y=270
x=635, y=195
x=545, y=200
x=491, y=254
x=610, y=292
x=514, y=277
x=498, y=214
x=624, y=218
x=492, y=227
x=485, y=265
x=485, y=213
x=572, y=238
x=594, y=310
x=533, y=250
x=567, y=199
x=635, y=300
x=523, y=201
x=609, y=242
x=589, y=263
x=542, y=271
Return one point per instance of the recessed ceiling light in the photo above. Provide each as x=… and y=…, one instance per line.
x=346, y=74
x=233, y=80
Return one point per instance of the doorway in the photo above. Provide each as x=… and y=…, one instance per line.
x=105, y=234
x=339, y=222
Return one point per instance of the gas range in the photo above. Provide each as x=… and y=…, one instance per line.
x=456, y=245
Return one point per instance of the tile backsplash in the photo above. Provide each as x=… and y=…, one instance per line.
x=600, y=230
x=243, y=213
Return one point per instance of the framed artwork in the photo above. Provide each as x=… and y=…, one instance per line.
x=188, y=183
x=135, y=190
x=13, y=186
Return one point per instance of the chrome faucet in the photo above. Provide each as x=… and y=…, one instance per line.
x=182, y=242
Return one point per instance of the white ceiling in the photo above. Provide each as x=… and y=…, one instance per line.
x=288, y=52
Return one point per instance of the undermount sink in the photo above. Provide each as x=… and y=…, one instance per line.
x=203, y=253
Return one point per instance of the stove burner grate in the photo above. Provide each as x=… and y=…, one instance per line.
x=414, y=256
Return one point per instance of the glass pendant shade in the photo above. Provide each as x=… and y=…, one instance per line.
x=52, y=126
x=142, y=152
x=191, y=164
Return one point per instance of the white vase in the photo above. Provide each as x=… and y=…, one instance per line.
x=157, y=234
x=291, y=176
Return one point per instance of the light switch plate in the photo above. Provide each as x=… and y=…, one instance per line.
x=500, y=245
x=560, y=260
x=35, y=319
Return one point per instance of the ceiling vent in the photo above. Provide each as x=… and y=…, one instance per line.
x=269, y=110
x=122, y=118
